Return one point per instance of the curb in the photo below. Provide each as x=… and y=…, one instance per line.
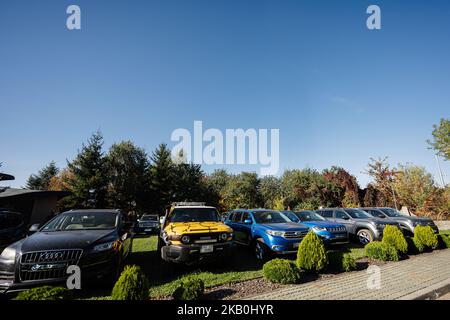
x=429, y=293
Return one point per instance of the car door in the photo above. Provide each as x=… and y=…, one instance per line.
x=343, y=218
x=246, y=227
x=238, y=228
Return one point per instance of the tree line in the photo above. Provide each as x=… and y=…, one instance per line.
x=126, y=177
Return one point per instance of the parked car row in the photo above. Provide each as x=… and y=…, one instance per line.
x=100, y=240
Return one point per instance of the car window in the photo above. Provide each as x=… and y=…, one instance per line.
x=237, y=217
x=376, y=213
x=270, y=217
x=9, y=220
x=340, y=214
x=326, y=213
x=291, y=216
x=246, y=216
x=357, y=213
x=193, y=215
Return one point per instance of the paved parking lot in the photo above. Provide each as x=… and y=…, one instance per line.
x=407, y=279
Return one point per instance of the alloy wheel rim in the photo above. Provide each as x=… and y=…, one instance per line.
x=364, y=237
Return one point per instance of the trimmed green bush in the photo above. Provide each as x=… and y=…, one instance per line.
x=424, y=236
x=444, y=241
x=338, y=261
x=381, y=251
x=190, y=288
x=45, y=293
x=311, y=255
x=393, y=236
x=131, y=285
x=281, y=271
x=413, y=246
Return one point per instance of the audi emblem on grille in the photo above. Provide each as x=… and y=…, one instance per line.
x=49, y=256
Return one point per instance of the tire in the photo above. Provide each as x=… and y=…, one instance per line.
x=364, y=236
x=160, y=245
x=261, y=251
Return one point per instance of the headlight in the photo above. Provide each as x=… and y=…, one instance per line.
x=224, y=236
x=8, y=254
x=317, y=229
x=104, y=246
x=185, y=239
x=275, y=233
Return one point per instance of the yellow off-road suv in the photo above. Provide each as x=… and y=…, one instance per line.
x=192, y=232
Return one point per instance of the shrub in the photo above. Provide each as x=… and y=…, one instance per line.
x=190, y=288
x=425, y=236
x=381, y=251
x=281, y=271
x=393, y=236
x=339, y=260
x=413, y=246
x=45, y=293
x=131, y=285
x=311, y=254
x=444, y=241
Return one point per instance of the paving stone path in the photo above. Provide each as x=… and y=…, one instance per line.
x=399, y=280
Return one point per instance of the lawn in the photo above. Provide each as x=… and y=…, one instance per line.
x=164, y=277
x=447, y=232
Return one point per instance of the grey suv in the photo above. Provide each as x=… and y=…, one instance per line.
x=407, y=223
x=359, y=224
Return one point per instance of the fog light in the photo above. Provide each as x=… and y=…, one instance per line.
x=276, y=247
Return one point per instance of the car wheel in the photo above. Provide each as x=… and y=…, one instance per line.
x=160, y=245
x=364, y=236
x=261, y=251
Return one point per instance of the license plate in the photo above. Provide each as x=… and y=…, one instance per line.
x=340, y=236
x=295, y=245
x=148, y=229
x=206, y=249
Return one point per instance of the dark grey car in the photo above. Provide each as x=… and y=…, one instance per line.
x=359, y=224
x=407, y=223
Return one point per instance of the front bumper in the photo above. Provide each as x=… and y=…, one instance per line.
x=93, y=266
x=281, y=245
x=334, y=237
x=192, y=253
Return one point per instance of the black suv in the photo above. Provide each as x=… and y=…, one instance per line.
x=12, y=227
x=98, y=241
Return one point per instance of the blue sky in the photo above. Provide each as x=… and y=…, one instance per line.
x=338, y=92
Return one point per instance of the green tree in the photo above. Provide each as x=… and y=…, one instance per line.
x=189, y=183
x=242, y=191
x=42, y=179
x=161, y=177
x=214, y=184
x=127, y=166
x=270, y=192
x=88, y=180
x=441, y=138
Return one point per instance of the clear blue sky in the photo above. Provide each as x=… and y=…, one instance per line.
x=137, y=70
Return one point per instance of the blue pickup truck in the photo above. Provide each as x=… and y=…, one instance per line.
x=267, y=231
x=329, y=232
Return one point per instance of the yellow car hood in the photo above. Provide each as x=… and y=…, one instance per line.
x=196, y=227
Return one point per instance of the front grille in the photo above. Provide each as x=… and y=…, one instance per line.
x=295, y=234
x=46, y=265
x=336, y=229
x=204, y=237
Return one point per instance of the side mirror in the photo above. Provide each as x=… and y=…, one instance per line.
x=345, y=218
x=247, y=221
x=34, y=228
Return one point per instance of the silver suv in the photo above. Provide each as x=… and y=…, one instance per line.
x=407, y=223
x=359, y=224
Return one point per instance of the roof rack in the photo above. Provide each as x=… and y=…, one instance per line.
x=185, y=204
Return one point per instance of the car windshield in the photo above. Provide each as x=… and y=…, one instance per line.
x=309, y=216
x=376, y=213
x=391, y=212
x=149, y=218
x=270, y=217
x=82, y=221
x=194, y=215
x=357, y=213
